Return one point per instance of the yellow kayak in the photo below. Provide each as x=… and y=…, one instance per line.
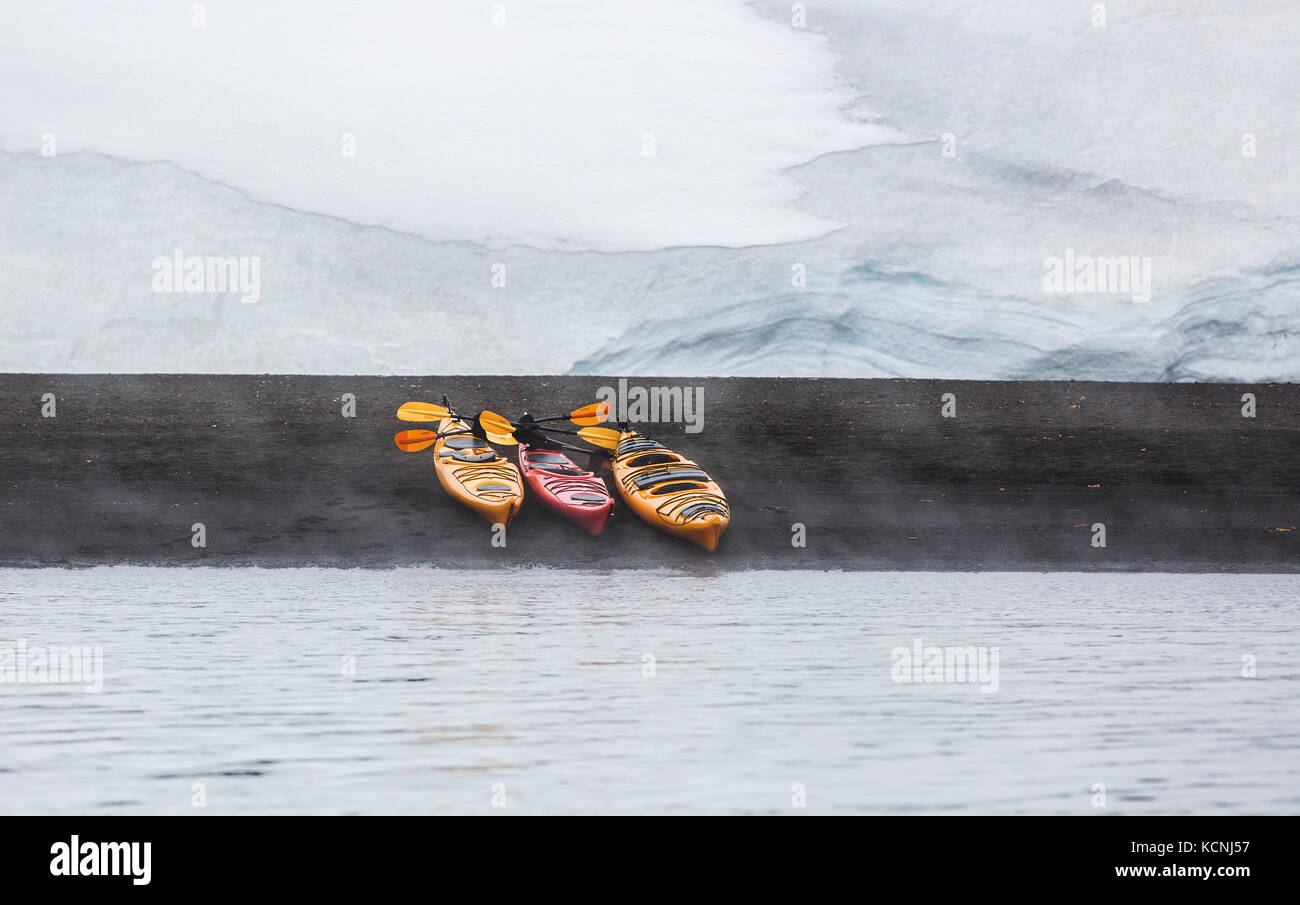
x=669, y=491
x=471, y=471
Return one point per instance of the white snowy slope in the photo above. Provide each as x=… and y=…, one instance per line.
x=523, y=151
x=532, y=132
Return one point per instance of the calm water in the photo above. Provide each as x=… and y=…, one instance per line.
x=537, y=681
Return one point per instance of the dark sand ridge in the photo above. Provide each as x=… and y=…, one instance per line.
x=1181, y=480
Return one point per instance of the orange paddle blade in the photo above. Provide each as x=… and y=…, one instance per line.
x=596, y=413
x=495, y=424
x=604, y=437
x=414, y=441
x=422, y=411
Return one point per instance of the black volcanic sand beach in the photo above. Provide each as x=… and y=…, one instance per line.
x=268, y=464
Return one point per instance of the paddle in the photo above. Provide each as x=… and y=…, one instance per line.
x=499, y=430
x=595, y=413
x=604, y=437
x=427, y=411
x=422, y=411
x=414, y=441
x=495, y=423
x=500, y=439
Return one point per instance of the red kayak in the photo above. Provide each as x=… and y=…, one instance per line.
x=580, y=496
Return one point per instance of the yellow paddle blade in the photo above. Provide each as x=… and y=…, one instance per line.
x=596, y=413
x=414, y=441
x=501, y=439
x=604, y=437
x=495, y=424
x=422, y=411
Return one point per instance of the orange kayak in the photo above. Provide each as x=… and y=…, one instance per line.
x=471, y=471
x=669, y=491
